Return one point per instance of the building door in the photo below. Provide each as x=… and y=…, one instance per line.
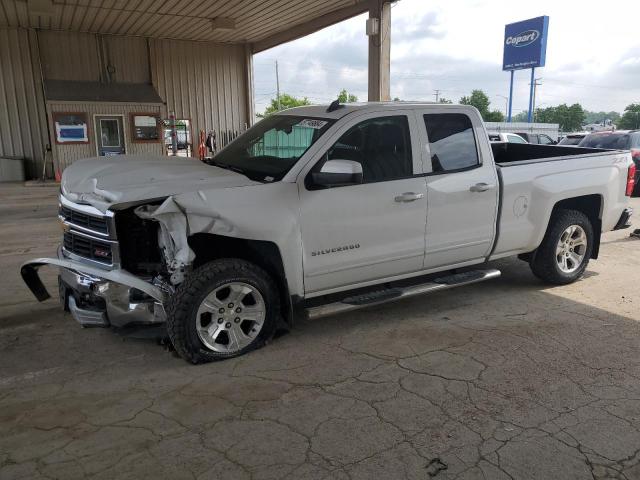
x=109, y=135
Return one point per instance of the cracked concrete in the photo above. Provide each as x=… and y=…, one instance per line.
x=504, y=380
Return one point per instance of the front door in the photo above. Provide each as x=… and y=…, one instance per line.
x=109, y=135
x=359, y=233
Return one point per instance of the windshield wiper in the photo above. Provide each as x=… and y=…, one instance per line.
x=227, y=167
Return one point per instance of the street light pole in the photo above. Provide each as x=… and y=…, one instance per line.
x=506, y=105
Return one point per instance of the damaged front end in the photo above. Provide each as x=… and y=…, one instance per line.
x=115, y=268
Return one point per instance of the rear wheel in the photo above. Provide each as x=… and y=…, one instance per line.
x=224, y=309
x=564, y=253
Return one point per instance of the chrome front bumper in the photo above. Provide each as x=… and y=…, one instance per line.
x=97, y=297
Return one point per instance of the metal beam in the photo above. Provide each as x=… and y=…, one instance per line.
x=248, y=75
x=303, y=29
x=380, y=52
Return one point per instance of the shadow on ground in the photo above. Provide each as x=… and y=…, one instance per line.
x=506, y=379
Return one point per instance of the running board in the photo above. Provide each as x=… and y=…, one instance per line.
x=396, y=293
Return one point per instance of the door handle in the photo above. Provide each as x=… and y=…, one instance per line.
x=409, y=197
x=481, y=187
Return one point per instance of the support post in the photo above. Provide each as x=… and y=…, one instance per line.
x=510, y=108
x=277, y=86
x=532, y=86
x=380, y=52
x=248, y=75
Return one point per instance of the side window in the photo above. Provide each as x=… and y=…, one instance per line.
x=381, y=145
x=516, y=139
x=451, y=142
x=545, y=140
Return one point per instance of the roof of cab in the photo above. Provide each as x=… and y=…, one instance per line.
x=346, y=108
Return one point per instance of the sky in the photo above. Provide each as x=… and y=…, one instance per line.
x=455, y=46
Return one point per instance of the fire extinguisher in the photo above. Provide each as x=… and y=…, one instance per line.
x=202, y=150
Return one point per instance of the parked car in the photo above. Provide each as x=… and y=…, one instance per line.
x=619, y=140
x=573, y=138
x=226, y=254
x=537, y=138
x=506, y=137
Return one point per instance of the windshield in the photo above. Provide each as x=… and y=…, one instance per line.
x=570, y=140
x=607, y=140
x=268, y=150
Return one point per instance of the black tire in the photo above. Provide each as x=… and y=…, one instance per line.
x=183, y=305
x=544, y=264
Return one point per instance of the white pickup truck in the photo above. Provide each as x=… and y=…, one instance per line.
x=318, y=210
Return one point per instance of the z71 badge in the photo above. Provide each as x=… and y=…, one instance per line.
x=335, y=250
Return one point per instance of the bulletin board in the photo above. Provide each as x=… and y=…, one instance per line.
x=145, y=127
x=71, y=128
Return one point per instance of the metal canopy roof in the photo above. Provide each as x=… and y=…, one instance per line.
x=252, y=21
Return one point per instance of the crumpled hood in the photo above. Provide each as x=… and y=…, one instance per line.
x=123, y=179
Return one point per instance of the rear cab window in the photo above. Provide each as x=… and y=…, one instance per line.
x=452, y=142
x=614, y=141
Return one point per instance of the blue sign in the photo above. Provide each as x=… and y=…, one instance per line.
x=525, y=44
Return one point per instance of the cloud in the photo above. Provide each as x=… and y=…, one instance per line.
x=456, y=47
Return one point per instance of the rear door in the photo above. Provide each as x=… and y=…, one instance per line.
x=360, y=233
x=462, y=188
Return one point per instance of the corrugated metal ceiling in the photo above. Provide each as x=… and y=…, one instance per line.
x=255, y=20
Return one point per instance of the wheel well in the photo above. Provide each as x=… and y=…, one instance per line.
x=591, y=206
x=208, y=247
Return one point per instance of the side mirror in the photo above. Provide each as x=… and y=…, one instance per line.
x=338, y=173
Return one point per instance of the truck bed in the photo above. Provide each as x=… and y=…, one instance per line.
x=507, y=154
x=534, y=178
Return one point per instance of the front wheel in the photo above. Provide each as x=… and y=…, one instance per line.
x=564, y=253
x=223, y=309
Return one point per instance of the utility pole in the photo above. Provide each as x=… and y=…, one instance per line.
x=437, y=95
x=535, y=87
x=277, y=87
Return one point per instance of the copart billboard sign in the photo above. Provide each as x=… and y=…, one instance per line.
x=525, y=44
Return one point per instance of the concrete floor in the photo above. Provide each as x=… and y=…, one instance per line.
x=506, y=379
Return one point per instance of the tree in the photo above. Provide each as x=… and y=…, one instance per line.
x=286, y=101
x=520, y=117
x=493, y=116
x=344, y=97
x=570, y=118
x=601, y=117
x=631, y=117
x=481, y=101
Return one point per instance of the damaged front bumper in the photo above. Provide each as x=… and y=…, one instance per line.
x=97, y=297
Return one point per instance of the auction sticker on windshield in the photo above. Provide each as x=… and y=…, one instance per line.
x=311, y=123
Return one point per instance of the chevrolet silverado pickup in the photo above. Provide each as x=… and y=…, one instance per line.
x=319, y=210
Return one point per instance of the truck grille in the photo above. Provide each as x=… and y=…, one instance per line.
x=84, y=220
x=87, y=247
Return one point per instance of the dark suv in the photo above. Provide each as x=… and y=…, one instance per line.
x=620, y=140
x=539, y=138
